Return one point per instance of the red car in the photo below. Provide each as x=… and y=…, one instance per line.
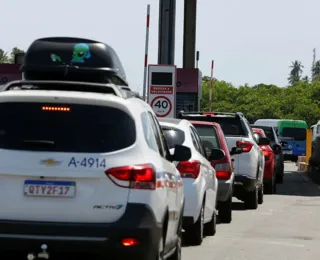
x=269, y=178
x=212, y=137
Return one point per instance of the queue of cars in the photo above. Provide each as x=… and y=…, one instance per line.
x=86, y=167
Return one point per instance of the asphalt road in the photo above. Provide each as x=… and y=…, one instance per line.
x=285, y=226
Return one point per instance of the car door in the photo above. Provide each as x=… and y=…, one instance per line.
x=174, y=192
x=209, y=176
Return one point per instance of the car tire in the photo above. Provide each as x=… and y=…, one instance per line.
x=225, y=211
x=210, y=228
x=251, y=199
x=194, y=234
x=260, y=195
x=269, y=187
x=279, y=177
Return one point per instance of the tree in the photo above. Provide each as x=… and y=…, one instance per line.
x=3, y=57
x=13, y=53
x=316, y=71
x=295, y=73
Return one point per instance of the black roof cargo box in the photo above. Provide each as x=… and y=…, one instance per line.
x=75, y=59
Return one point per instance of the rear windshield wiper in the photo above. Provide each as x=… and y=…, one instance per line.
x=38, y=143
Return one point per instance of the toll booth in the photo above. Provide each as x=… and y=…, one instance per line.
x=188, y=89
x=9, y=72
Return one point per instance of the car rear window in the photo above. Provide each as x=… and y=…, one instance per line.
x=268, y=131
x=173, y=136
x=208, y=136
x=56, y=127
x=298, y=134
x=231, y=126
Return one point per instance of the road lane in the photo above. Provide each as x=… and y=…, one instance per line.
x=285, y=226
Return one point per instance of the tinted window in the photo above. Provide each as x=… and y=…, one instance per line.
x=82, y=129
x=295, y=133
x=268, y=131
x=173, y=136
x=230, y=126
x=208, y=136
x=149, y=135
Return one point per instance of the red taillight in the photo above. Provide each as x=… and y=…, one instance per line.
x=129, y=242
x=136, y=177
x=223, y=170
x=267, y=155
x=245, y=146
x=189, y=169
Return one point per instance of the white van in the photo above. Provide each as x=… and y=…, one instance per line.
x=268, y=122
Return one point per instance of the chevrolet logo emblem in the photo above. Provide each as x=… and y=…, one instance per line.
x=50, y=162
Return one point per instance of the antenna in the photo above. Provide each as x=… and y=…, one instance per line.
x=314, y=57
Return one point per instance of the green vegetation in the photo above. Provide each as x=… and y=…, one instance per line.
x=9, y=58
x=299, y=100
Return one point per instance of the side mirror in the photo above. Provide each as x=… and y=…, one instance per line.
x=263, y=141
x=235, y=150
x=181, y=153
x=216, y=155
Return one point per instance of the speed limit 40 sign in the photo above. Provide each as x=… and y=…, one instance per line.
x=162, y=106
x=162, y=90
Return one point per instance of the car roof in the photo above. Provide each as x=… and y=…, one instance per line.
x=173, y=122
x=258, y=130
x=203, y=123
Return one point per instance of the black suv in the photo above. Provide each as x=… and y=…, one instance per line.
x=277, y=149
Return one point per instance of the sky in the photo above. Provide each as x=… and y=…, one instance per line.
x=251, y=41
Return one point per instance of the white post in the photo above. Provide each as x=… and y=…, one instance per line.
x=146, y=55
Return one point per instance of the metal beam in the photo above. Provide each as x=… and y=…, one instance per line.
x=189, y=33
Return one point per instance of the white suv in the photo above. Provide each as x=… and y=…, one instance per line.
x=85, y=172
x=249, y=164
x=199, y=180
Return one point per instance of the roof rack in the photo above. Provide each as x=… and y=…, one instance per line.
x=204, y=113
x=67, y=86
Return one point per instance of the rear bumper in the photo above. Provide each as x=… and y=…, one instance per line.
x=225, y=189
x=242, y=185
x=102, y=239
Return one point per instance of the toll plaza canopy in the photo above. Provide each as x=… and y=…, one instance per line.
x=66, y=58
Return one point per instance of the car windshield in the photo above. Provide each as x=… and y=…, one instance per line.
x=173, y=136
x=294, y=133
x=208, y=136
x=56, y=127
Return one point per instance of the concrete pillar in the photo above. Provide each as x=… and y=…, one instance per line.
x=189, y=33
x=167, y=25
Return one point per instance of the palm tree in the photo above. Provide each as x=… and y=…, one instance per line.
x=3, y=57
x=316, y=71
x=295, y=73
